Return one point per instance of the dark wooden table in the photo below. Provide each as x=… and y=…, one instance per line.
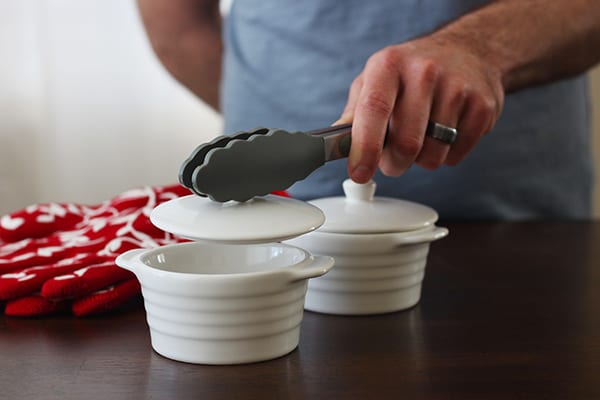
x=508, y=311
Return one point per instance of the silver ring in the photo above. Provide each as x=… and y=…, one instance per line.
x=441, y=132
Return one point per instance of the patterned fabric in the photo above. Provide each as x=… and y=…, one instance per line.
x=56, y=257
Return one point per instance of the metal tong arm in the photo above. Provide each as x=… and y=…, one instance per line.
x=336, y=140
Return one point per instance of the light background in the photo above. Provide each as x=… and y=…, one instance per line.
x=87, y=111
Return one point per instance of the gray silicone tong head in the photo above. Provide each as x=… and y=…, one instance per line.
x=258, y=162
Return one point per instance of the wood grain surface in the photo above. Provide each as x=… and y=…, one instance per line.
x=508, y=311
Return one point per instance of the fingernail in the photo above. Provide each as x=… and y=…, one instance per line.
x=401, y=162
x=344, y=119
x=361, y=174
x=398, y=156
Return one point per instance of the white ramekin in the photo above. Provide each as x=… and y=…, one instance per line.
x=215, y=303
x=374, y=273
x=380, y=247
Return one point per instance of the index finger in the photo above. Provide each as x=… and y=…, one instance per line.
x=373, y=109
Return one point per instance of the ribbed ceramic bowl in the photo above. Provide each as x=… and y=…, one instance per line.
x=374, y=273
x=214, y=303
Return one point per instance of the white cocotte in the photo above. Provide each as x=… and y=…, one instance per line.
x=230, y=297
x=215, y=303
x=380, y=247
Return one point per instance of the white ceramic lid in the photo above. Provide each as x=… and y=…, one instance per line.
x=360, y=212
x=263, y=219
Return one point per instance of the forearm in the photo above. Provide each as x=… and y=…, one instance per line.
x=186, y=37
x=531, y=41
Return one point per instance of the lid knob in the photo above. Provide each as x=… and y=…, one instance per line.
x=359, y=191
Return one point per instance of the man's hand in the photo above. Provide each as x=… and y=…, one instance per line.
x=404, y=86
x=457, y=77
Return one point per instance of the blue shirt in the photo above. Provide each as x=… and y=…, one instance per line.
x=288, y=64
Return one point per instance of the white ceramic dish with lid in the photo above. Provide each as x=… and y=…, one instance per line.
x=215, y=303
x=234, y=296
x=380, y=246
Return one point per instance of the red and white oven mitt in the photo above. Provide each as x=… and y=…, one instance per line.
x=57, y=257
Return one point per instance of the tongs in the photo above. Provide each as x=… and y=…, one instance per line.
x=255, y=163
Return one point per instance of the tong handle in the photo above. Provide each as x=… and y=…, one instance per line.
x=332, y=130
x=338, y=139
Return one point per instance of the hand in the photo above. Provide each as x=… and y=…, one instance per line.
x=405, y=85
x=55, y=257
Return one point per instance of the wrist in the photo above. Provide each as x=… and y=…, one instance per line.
x=479, y=44
x=530, y=43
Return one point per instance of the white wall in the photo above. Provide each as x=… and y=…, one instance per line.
x=86, y=110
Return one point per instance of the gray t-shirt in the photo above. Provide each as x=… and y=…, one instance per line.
x=288, y=64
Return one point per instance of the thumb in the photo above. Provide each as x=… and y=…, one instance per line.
x=353, y=94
